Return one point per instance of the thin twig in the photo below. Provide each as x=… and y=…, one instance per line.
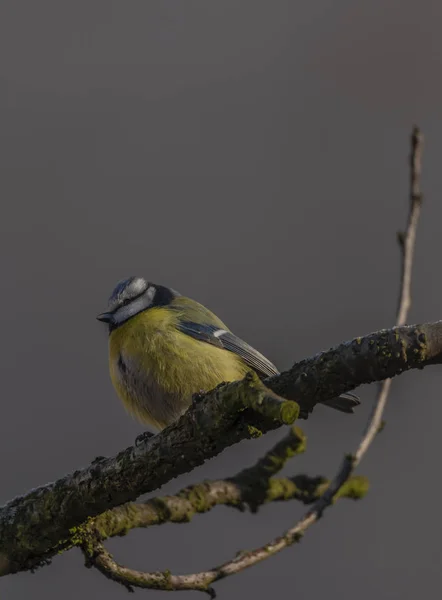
x=407, y=241
x=407, y=244
x=205, y=496
x=203, y=580
x=250, y=488
x=33, y=525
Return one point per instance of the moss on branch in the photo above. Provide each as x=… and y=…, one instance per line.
x=31, y=526
x=374, y=357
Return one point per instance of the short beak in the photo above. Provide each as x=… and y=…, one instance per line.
x=105, y=317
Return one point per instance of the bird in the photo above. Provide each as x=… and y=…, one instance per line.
x=164, y=348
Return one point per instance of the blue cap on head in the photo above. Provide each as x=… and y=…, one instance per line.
x=133, y=295
x=127, y=290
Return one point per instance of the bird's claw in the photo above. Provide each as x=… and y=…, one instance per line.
x=198, y=396
x=143, y=437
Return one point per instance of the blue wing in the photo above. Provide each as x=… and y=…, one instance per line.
x=212, y=334
x=228, y=341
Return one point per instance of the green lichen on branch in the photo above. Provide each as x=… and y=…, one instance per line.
x=251, y=487
x=254, y=481
x=301, y=487
x=204, y=497
x=256, y=396
x=32, y=526
x=375, y=357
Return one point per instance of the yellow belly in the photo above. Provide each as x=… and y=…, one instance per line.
x=156, y=369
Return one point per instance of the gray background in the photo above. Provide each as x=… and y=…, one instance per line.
x=252, y=155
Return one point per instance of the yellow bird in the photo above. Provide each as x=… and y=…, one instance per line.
x=164, y=347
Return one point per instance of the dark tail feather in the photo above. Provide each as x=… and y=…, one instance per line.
x=345, y=403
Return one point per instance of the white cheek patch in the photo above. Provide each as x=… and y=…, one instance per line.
x=126, y=312
x=150, y=295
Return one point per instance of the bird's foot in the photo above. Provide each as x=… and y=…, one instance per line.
x=143, y=437
x=198, y=396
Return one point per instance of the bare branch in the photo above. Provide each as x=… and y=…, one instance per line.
x=407, y=240
x=407, y=254
x=406, y=243
x=235, y=491
x=205, y=496
x=203, y=580
x=351, y=461
x=252, y=487
x=33, y=526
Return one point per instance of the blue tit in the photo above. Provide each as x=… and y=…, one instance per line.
x=164, y=348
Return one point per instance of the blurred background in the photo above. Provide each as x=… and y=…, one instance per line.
x=253, y=156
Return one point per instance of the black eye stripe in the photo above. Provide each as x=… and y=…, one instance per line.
x=125, y=291
x=129, y=299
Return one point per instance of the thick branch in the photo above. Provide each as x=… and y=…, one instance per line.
x=251, y=488
x=375, y=357
x=407, y=241
x=302, y=488
x=31, y=526
x=203, y=580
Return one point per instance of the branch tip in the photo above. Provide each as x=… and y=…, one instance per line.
x=202, y=425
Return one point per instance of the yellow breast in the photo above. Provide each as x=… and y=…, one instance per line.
x=156, y=369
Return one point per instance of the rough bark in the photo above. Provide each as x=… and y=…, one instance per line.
x=31, y=526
